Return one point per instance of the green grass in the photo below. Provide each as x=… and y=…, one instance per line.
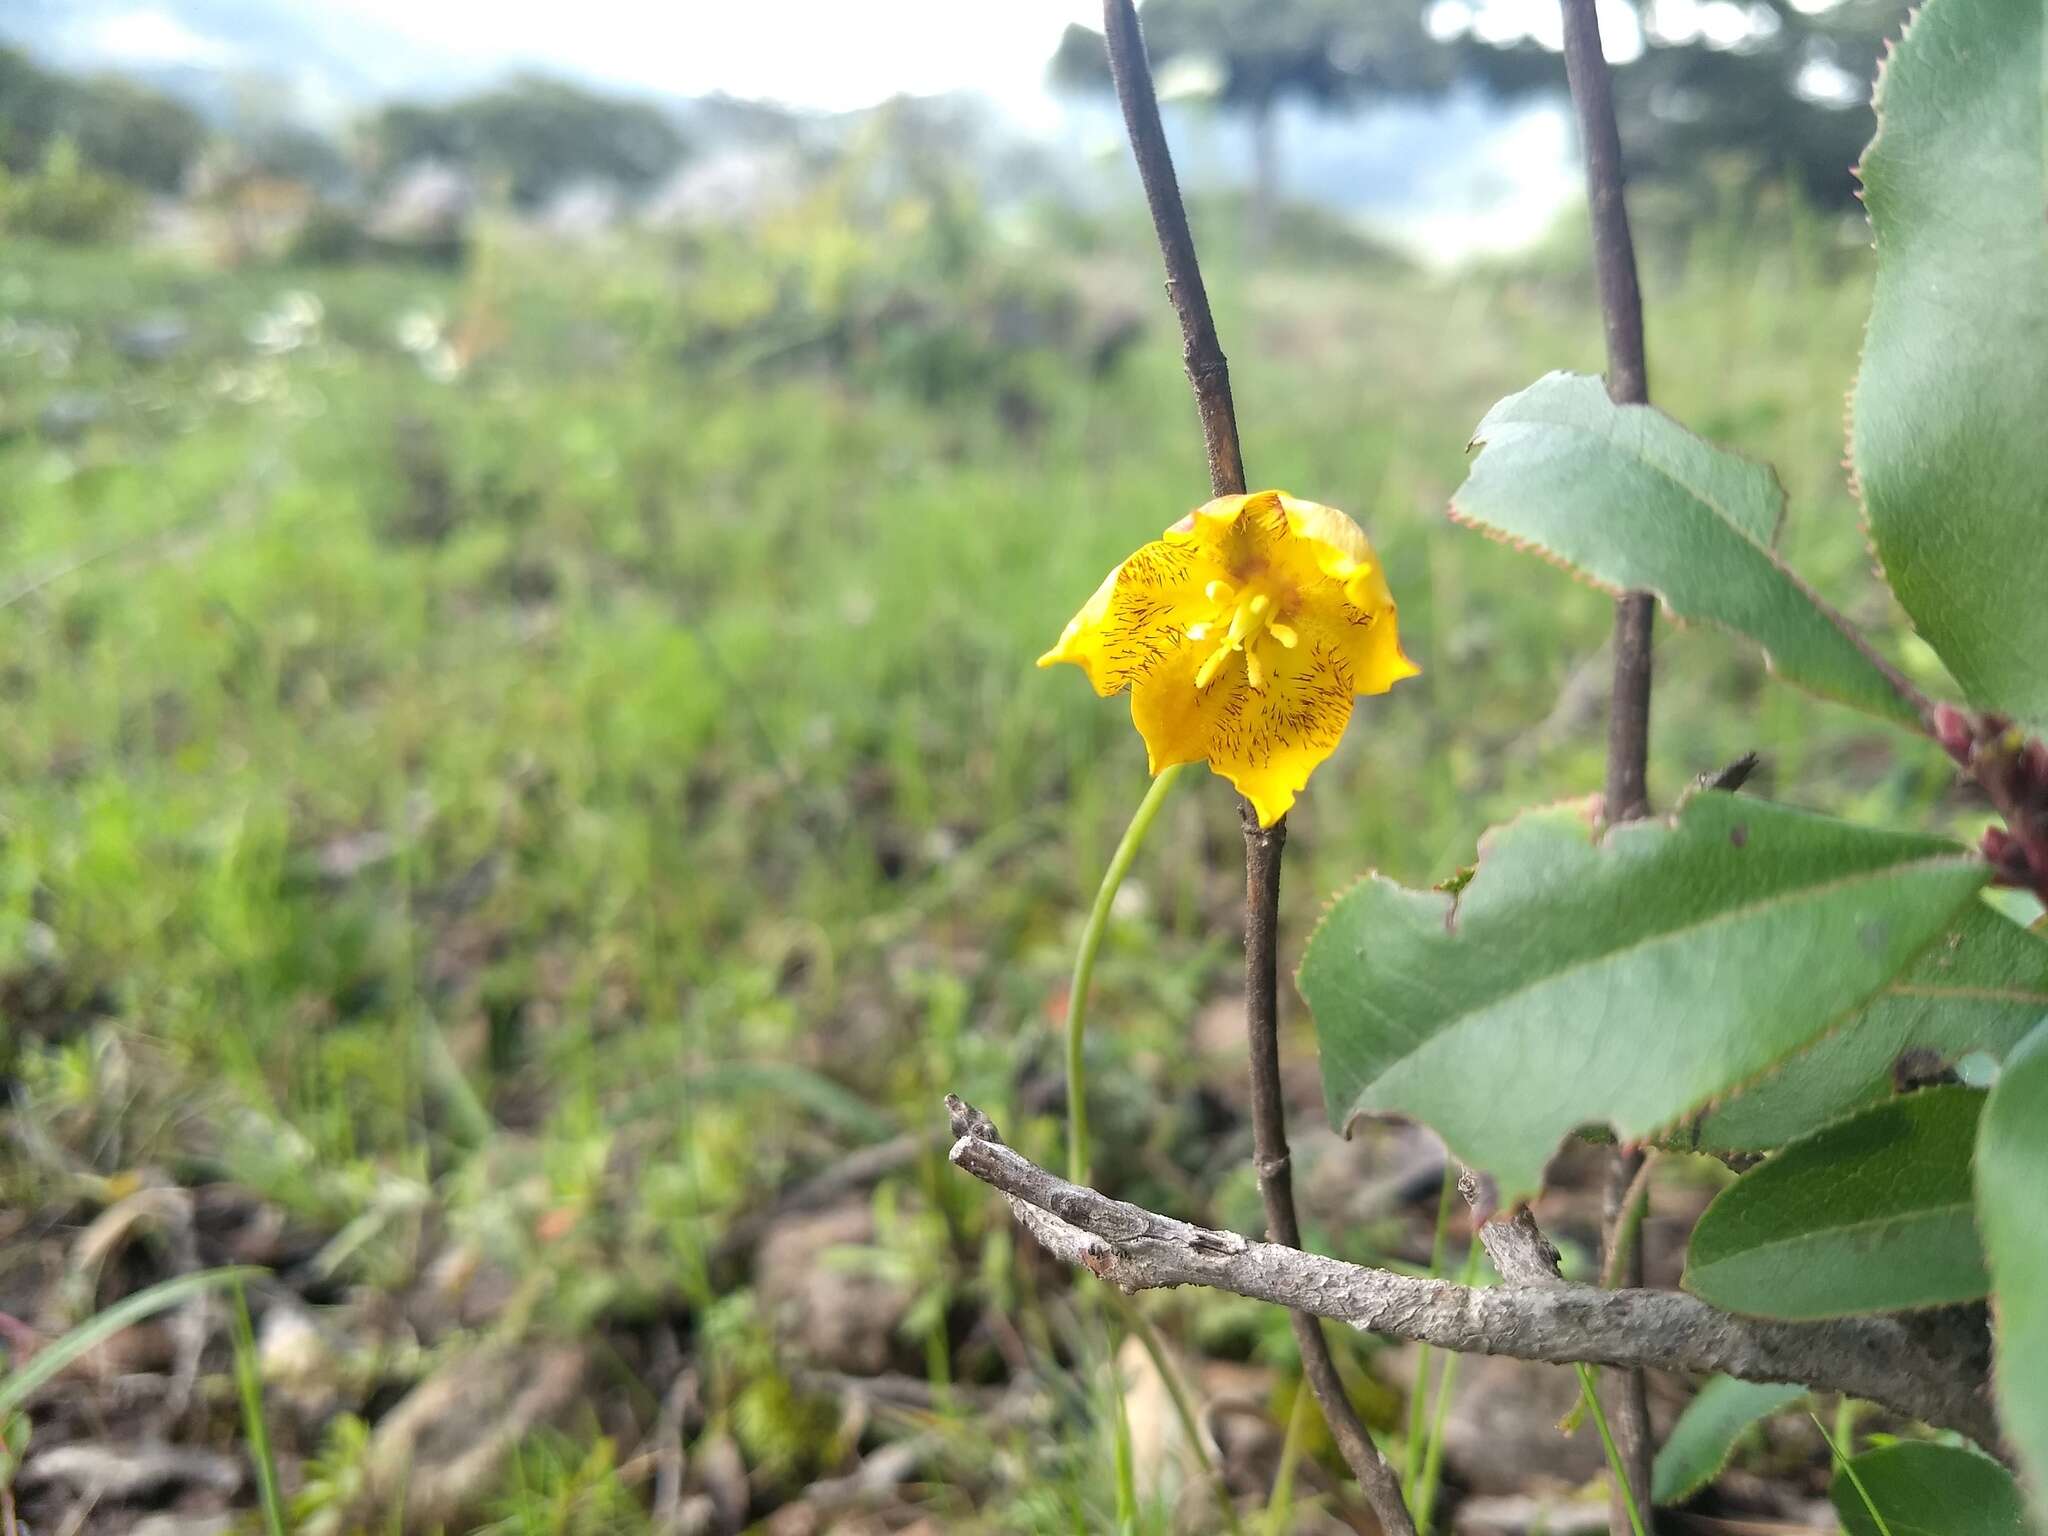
x=571, y=798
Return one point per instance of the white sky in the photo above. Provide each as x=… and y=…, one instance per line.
x=814, y=53
x=832, y=54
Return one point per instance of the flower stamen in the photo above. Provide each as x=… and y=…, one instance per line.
x=1252, y=620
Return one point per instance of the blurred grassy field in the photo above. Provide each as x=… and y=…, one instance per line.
x=483, y=777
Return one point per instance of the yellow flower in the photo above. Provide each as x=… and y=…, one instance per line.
x=1243, y=635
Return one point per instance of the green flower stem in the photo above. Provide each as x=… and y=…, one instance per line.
x=1077, y=1119
x=1588, y=1386
x=1084, y=968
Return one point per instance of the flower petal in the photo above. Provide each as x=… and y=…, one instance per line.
x=1237, y=531
x=1361, y=619
x=1266, y=741
x=1138, y=616
x=1366, y=633
x=1344, y=544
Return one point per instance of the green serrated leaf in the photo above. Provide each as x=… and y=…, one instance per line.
x=1707, y=1433
x=1625, y=495
x=1980, y=987
x=1872, y=1214
x=2012, y=1172
x=1923, y=1489
x=1624, y=979
x=1947, y=420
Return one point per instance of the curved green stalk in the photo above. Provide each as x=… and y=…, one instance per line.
x=1077, y=1117
x=1084, y=968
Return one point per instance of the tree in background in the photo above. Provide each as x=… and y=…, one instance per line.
x=1778, y=85
x=535, y=135
x=1326, y=52
x=1775, y=85
x=118, y=127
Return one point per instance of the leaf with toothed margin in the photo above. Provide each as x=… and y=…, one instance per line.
x=1977, y=989
x=1627, y=497
x=1947, y=429
x=1625, y=978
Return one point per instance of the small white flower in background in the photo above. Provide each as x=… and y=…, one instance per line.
x=418, y=331
x=423, y=333
x=441, y=364
x=292, y=322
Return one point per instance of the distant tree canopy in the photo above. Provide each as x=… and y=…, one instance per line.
x=120, y=128
x=536, y=134
x=1782, y=85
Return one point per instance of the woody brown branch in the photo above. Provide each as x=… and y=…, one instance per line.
x=1930, y=1368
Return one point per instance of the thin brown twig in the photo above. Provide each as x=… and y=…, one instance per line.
x=1909, y=1364
x=1628, y=720
x=1209, y=377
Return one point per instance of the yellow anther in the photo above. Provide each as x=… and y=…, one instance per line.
x=1254, y=671
x=1219, y=591
x=1260, y=603
x=1199, y=631
x=1206, y=673
x=1284, y=633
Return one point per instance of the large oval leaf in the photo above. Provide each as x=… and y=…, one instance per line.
x=2012, y=1174
x=1629, y=498
x=1980, y=987
x=1624, y=978
x=1707, y=1433
x=1950, y=415
x=1920, y=1489
x=1872, y=1214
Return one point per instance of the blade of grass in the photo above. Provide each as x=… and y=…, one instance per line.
x=1183, y=1406
x=1433, y=1453
x=1418, y=1407
x=52, y=1358
x=1126, y=1471
x=1849, y=1470
x=249, y=1387
x=1589, y=1389
x=1280, y=1507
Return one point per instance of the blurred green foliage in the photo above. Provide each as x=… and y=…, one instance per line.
x=533, y=134
x=64, y=199
x=120, y=127
x=536, y=757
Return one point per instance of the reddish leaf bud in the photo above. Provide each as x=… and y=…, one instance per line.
x=1952, y=730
